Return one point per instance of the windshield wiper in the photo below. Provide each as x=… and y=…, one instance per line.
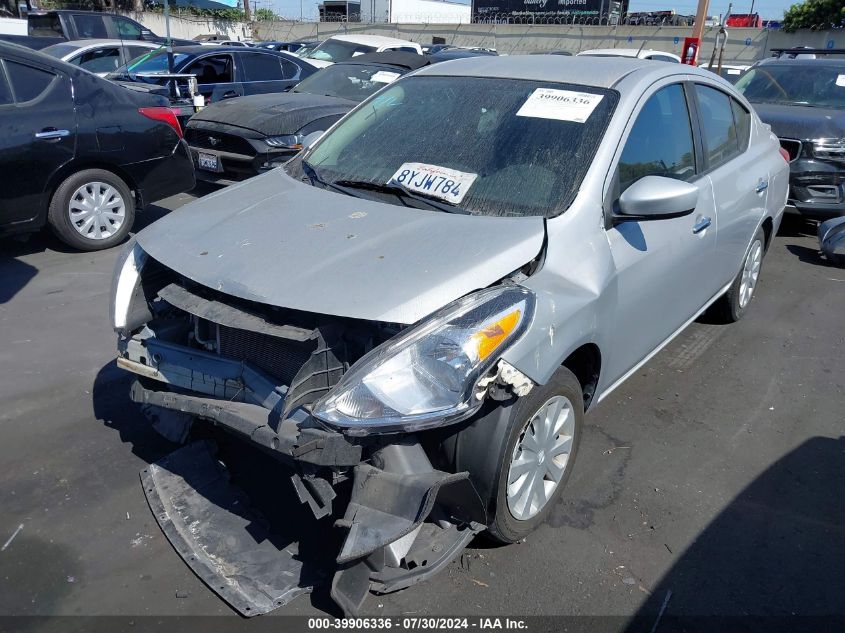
x=399, y=190
x=316, y=180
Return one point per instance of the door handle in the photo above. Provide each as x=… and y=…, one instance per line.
x=51, y=133
x=702, y=224
x=761, y=186
x=229, y=94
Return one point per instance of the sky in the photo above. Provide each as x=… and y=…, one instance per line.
x=768, y=9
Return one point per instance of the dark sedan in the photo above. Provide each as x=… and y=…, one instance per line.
x=804, y=102
x=231, y=141
x=79, y=153
x=222, y=72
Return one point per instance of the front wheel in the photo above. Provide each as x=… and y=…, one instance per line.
x=520, y=457
x=731, y=306
x=91, y=210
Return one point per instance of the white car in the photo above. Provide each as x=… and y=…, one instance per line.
x=100, y=56
x=340, y=48
x=659, y=56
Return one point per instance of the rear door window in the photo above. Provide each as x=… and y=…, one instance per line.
x=261, y=67
x=28, y=83
x=660, y=142
x=90, y=26
x=214, y=69
x=718, y=129
x=98, y=60
x=5, y=91
x=44, y=25
x=127, y=29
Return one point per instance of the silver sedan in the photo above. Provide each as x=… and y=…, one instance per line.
x=427, y=299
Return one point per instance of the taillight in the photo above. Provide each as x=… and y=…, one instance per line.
x=784, y=153
x=163, y=114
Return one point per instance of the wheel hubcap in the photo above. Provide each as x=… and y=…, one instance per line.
x=750, y=273
x=540, y=458
x=97, y=210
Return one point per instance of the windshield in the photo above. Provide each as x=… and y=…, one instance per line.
x=339, y=51
x=795, y=84
x=60, y=50
x=500, y=147
x=348, y=81
x=152, y=62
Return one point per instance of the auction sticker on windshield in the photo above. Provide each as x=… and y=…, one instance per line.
x=443, y=183
x=384, y=77
x=563, y=105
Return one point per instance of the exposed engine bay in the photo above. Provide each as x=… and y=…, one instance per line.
x=256, y=372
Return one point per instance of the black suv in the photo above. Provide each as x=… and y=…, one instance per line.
x=803, y=99
x=80, y=153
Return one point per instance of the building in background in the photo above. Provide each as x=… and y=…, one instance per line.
x=548, y=10
x=339, y=11
x=415, y=11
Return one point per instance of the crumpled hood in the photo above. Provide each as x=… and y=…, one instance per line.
x=274, y=114
x=802, y=123
x=278, y=241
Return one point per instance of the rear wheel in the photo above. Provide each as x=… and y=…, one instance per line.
x=731, y=306
x=91, y=210
x=520, y=457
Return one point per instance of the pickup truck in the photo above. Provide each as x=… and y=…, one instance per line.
x=51, y=27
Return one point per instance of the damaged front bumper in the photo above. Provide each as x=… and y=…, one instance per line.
x=399, y=519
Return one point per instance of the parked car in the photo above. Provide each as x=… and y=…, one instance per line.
x=659, y=56
x=457, y=52
x=341, y=48
x=92, y=153
x=290, y=47
x=222, y=72
x=234, y=140
x=307, y=46
x=46, y=28
x=555, y=52
x=99, y=56
x=731, y=72
x=414, y=314
x=804, y=102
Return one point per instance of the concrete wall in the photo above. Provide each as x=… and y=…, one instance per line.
x=744, y=45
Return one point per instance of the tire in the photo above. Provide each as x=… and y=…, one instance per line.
x=733, y=305
x=488, y=447
x=111, y=219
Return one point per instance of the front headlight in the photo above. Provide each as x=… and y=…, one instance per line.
x=126, y=277
x=829, y=148
x=427, y=375
x=289, y=141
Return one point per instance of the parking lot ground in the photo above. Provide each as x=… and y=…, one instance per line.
x=716, y=472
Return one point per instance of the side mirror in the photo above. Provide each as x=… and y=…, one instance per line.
x=656, y=198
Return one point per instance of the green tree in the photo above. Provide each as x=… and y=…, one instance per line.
x=266, y=14
x=815, y=14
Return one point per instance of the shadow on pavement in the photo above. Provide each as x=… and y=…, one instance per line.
x=808, y=255
x=773, y=560
x=14, y=275
x=281, y=517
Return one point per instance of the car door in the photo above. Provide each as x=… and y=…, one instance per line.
x=664, y=268
x=217, y=77
x=38, y=130
x=265, y=72
x=739, y=174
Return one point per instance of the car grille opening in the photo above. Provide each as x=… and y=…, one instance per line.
x=792, y=147
x=205, y=139
x=278, y=357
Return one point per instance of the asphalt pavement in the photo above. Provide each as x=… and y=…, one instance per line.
x=716, y=473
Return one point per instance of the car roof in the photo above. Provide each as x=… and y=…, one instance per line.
x=93, y=43
x=371, y=40
x=599, y=72
x=408, y=61
x=806, y=61
x=623, y=52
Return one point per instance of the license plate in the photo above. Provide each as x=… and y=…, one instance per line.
x=208, y=161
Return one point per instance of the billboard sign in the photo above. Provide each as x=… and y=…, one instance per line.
x=549, y=8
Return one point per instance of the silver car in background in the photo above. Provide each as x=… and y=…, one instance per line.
x=100, y=56
x=414, y=314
